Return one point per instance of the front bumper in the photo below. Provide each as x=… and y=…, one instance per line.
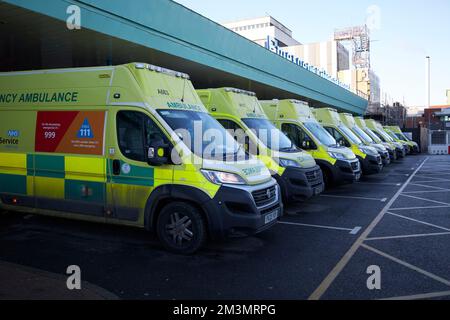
x=401, y=152
x=300, y=184
x=392, y=154
x=346, y=171
x=371, y=164
x=385, y=158
x=242, y=210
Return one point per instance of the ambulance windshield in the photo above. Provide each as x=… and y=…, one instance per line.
x=202, y=134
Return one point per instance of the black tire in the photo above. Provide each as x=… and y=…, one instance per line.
x=327, y=178
x=181, y=228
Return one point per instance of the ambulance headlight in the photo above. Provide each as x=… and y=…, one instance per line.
x=369, y=151
x=337, y=155
x=220, y=177
x=288, y=163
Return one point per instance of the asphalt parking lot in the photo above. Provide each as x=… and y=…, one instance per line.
x=398, y=220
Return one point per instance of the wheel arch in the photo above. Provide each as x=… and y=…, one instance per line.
x=165, y=194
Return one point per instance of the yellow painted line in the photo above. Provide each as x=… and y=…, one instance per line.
x=326, y=283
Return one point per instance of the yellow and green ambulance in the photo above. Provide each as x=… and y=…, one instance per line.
x=361, y=123
x=369, y=158
x=350, y=122
x=377, y=128
x=398, y=133
x=240, y=112
x=295, y=119
x=128, y=145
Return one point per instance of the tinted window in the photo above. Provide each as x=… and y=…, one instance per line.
x=239, y=134
x=297, y=135
x=202, y=134
x=268, y=134
x=340, y=139
x=135, y=131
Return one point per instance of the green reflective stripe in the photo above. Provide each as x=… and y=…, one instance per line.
x=139, y=176
x=84, y=190
x=132, y=181
x=13, y=183
x=30, y=164
x=49, y=166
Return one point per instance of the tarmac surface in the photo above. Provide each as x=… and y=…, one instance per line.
x=398, y=221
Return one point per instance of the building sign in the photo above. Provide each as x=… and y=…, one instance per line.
x=77, y=132
x=272, y=45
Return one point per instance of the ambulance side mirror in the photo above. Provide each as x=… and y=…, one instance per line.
x=158, y=153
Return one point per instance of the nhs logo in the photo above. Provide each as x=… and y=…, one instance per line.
x=13, y=133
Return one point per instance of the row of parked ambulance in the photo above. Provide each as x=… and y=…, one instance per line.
x=134, y=158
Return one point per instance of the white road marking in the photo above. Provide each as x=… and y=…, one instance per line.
x=355, y=230
x=352, y=231
x=351, y=197
x=421, y=296
x=428, y=191
x=419, y=235
x=416, y=208
x=326, y=283
x=408, y=265
x=426, y=186
x=418, y=221
x=425, y=199
x=434, y=181
x=380, y=183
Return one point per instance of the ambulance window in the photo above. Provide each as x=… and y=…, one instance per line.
x=239, y=135
x=135, y=131
x=298, y=136
x=338, y=136
x=130, y=134
x=153, y=133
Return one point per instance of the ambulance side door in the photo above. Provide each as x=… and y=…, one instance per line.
x=130, y=178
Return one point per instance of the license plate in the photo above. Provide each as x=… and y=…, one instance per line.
x=270, y=217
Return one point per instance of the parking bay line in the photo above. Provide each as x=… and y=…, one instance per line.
x=418, y=221
x=421, y=296
x=326, y=283
x=425, y=199
x=426, y=191
x=426, y=186
x=417, y=208
x=355, y=230
x=381, y=183
x=408, y=265
x=406, y=236
x=350, y=197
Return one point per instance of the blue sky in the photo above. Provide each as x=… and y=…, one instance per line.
x=405, y=33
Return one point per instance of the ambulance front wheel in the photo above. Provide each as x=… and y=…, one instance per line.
x=181, y=228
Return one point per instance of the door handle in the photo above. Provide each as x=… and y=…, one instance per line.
x=116, y=167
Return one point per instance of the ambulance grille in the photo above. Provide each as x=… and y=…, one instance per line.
x=265, y=196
